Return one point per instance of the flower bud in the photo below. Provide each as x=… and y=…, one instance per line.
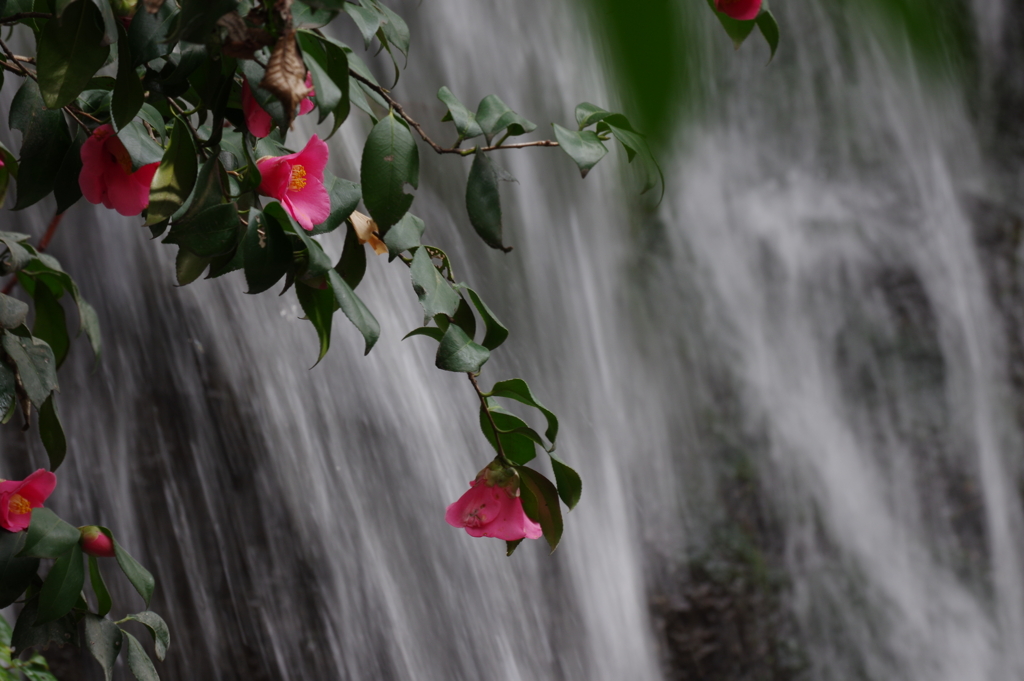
x=95, y=542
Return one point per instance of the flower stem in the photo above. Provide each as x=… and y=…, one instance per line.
x=494, y=426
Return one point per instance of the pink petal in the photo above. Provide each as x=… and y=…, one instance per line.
x=37, y=487
x=275, y=174
x=314, y=159
x=95, y=160
x=310, y=206
x=742, y=10
x=124, y=194
x=256, y=119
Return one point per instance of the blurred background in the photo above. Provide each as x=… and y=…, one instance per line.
x=794, y=388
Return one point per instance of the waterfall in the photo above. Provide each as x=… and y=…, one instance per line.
x=792, y=388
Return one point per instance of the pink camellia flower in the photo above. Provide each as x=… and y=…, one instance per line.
x=297, y=181
x=491, y=507
x=743, y=10
x=257, y=120
x=19, y=497
x=95, y=543
x=107, y=175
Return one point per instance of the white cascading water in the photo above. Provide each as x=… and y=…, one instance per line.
x=812, y=291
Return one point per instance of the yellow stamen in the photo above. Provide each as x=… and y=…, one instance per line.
x=298, y=178
x=19, y=505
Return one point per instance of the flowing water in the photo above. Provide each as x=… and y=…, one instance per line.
x=813, y=344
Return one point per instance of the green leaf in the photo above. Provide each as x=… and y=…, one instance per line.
x=404, y=236
x=50, y=323
x=90, y=323
x=367, y=21
x=330, y=76
x=517, y=447
x=465, y=120
x=495, y=332
x=212, y=232
x=129, y=95
x=210, y=189
x=540, y=502
x=16, y=573
x=457, y=352
x=570, y=487
x=9, y=168
x=51, y=432
x=588, y=114
x=12, y=312
x=48, y=536
x=493, y=116
x=483, y=201
x=429, y=331
x=318, y=306
x=511, y=546
x=147, y=35
x=394, y=27
x=518, y=390
x=103, y=639
x=352, y=264
x=465, y=318
x=769, y=29
x=345, y=197
x=266, y=251
x=390, y=161
x=138, y=661
x=305, y=16
x=737, y=30
x=108, y=21
x=585, y=148
x=71, y=50
x=62, y=586
x=175, y=177
x=158, y=628
x=434, y=292
x=149, y=113
x=29, y=635
x=199, y=17
x=142, y=149
x=36, y=366
x=44, y=144
x=139, y=576
x=317, y=262
x=17, y=255
x=636, y=146
x=99, y=588
x=7, y=394
x=355, y=310
x=188, y=266
x=67, y=189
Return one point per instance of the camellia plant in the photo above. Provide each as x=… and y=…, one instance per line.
x=189, y=130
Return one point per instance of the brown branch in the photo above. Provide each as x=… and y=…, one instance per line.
x=494, y=426
x=14, y=60
x=426, y=138
x=15, y=18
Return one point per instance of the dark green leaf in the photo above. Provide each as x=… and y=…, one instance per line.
x=352, y=265
x=198, y=18
x=355, y=310
x=175, y=177
x=108, y=21
x=588, y=114
x=7, y=393
x=266, y=251
x=139, y=576
x=188, y=266
x=345, y=197
x=390, y=161
x=16, y=572
x=17, y=255
x=210, y=189
x=158, y=628
x=404, y=236
x=28, y=635
x=147, y=35
x=103, y=639
x=366, y=20
x=495, y=333
x=90, y=323
x=70, y=53
x=394, y=27
x=570, y=487
x=517, y=389
x=585, y=148
x=212, y=232
x=12, y=312
x=429, y=331
x=434, y=292
x=304, y=16
x=50, y=324
x=43, y=147
x=636, y=146
x=36, y=366
x=99, y=588
x=511, y=546
x=465, y=318
x=465, y=120
x=128, y=95
x=62, y=586
x=48, y=536
x=517, y=447
x=149, y=113
x=8, y=170
x=483, y=201
x=142, y=149
x=540, y=502
x=138, y=661
x=318, y=306
x=330, y=77
x=769, y=29
x=317, y=262
x=67, y=189
x=493, y=116
x=737, y=30
x=457, y=352
x=51, y=432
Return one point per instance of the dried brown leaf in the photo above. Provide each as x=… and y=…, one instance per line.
x=242, y=41
x=286, y=74
x=366, y=230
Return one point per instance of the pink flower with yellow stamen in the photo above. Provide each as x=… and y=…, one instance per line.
x=258, y=120
x=297, y=181
x=19, y=497
x=107, y=175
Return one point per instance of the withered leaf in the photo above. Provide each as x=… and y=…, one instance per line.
x=286, y=74
x=242, y=41
x=366, y=230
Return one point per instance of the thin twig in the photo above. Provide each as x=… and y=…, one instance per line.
x=426, y=138
x=494, y=426
x=195, y=135
x=14, y=60
x=15, y=18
